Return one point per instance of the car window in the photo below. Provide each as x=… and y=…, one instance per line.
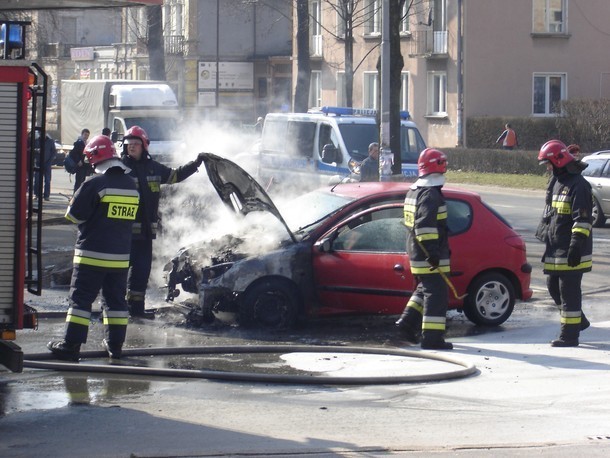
x=459, y=216
x=380, y=231
x=595, y=168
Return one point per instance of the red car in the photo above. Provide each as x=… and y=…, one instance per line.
x=344, y=252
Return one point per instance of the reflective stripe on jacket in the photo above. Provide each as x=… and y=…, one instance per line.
x=104, y=207
x=571, y=217
x=425, y=215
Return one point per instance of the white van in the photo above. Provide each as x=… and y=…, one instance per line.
x=312, y=148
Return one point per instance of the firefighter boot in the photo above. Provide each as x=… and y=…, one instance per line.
x=434, y=340
x=114, y=349
x=407, y=328
x=584, y=323
x=65, y=350
x=568, y=336
x=136, y=309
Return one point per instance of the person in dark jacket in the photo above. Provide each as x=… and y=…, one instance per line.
x=83, y=168
x=104, y=208
x=149, y=175
x=369, y=169
x=428, y=248
x=569, y=240
x=47, y=156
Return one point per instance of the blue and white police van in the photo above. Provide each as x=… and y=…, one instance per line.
x=326, y=146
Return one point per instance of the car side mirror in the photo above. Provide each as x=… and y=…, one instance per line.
x=114, y=136
x=325, y=245
x=330, y=154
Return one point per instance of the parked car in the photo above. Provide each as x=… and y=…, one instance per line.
x=344, y=252
x=598, y=174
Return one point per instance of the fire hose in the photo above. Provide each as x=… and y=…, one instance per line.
x=442, y=274
x=40, y=361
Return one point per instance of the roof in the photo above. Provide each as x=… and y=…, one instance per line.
x=14, y=5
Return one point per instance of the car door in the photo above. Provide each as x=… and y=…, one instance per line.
x=598, y=174
x=361, y=265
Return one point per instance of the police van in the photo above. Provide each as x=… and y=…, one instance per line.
x=315, y=148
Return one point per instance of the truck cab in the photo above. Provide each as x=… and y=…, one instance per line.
x=313, y=148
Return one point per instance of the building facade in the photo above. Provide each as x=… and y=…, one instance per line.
x=468, y=58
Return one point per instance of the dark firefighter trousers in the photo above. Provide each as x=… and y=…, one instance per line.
x=85, y=285
x=140, y=262
x=565, y=289
x=427, y=307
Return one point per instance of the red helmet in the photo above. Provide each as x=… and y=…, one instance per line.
x=431, y=161
x=100, y=148
x=138, y=132
x=556, y=153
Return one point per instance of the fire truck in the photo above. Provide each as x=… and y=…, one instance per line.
x=23, y=95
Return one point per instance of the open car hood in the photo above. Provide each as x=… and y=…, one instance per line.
x=238, y=190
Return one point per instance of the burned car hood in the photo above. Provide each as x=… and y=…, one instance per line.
x=238, y=190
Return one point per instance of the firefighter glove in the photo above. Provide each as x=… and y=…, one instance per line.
x=200, y=158
x=575, y=250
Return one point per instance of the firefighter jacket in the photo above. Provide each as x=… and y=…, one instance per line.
x=149, y=175
x=104, y=207
x=570, y=222
x=425, y=215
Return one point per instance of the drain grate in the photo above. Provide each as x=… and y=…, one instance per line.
x=598, y=438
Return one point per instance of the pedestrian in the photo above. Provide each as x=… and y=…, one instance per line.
x=47, y=156
x=428, y=249
x=369, y=169
x=106, y=131
x=83, y=168
x=149, y=175
x=569, y=241
x=104, y=208
x=508, y=138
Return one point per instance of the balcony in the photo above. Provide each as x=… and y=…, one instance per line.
x=174, y=45
x=429, y=44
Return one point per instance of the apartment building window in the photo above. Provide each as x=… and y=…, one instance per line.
x=404, y=91
x=369, y=96
x=341, y=15
x=172, y=17
x=548, y=92
x=549, y=16
x=404, y=21
x=372, y=17
x=315, y=27
x=437, y=94
x=315, y=89
x=341, y=102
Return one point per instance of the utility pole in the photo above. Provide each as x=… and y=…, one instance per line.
x=385, y=153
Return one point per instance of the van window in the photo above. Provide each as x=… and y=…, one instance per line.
x=327, y=135
x=411, y=144
x=274, y=135
x=300, y=138
x=357, y=138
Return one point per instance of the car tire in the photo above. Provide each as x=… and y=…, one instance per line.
x=599, y=219
x=490, y=300
x=270, y=304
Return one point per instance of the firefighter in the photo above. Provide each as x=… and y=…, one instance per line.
x=428, y=248
x=149, y=175
x=569, y=241
x=104, y=207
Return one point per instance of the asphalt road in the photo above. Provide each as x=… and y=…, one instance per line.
x=525, y=397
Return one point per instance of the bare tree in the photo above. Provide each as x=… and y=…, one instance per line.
x=301, y=94
x=156, y=52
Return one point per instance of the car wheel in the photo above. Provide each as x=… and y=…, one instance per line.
x=599, y=219
x=271, y=304
x=490, y=300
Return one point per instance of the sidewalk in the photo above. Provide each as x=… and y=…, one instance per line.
x=54, y=209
